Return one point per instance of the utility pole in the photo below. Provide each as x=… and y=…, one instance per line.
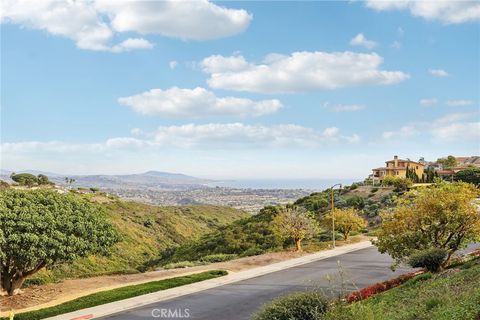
x=333, y=211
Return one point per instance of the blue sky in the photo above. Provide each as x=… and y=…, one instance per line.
x=237, y=89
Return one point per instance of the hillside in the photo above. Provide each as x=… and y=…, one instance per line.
x=253, y=235
x=367, y=200
x=145, y=231
x=453, y=295
x=149, y=179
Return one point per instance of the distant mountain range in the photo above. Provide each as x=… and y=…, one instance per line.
x=149, y=179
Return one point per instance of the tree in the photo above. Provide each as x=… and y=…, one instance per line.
x=429, y=175
x=43, y=179
x=40, y=228
x=24, y=179
x=470, y=175
x=448, y=162
x=296, y=224
x=346, y=221
x=411, y=174
x=69, y=181
x=398, y=182
x=440, y=216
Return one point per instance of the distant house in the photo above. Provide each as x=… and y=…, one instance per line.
x=462, y=164
x=398, y=168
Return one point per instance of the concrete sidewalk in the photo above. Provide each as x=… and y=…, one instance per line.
x=131, y=303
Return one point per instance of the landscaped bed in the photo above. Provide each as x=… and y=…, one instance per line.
x=451, y=295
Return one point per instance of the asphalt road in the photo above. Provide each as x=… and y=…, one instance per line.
x=241, y=299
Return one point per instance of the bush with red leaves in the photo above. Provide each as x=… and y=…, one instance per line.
x=380, y=287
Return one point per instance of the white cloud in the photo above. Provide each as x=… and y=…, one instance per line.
x=300, y=71
x=361, y=40
x=447, y=11
x=454, y=127
x=468, y=131
x=131, y=44
x=218, y=64
x=428, y=102
x=197, y=102
x=345, y=108
x=172, y=64
x=93, y=24
x=211, y=135
x=195, y=20
x=76, y=20
x=403, y=132
x=438, y=73
x=459, y=103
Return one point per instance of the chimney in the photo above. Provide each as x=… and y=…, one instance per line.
x=395, y=157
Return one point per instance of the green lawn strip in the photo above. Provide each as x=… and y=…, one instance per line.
x=117, y=294
x=443, y=297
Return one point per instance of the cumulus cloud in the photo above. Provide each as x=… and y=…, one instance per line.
x=459, y=103
x=93, y=24
x=211, y=135
x=76, y=20
x=361, y=40
x=428, y=102
x=454, y=127
x=438, y=73
x=300, y=71
x=197, y=102
x=132, y=44
x=172, y=64
x=446, y=11
x=196, y=20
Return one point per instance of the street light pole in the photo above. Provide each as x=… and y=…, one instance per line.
x=333, y=211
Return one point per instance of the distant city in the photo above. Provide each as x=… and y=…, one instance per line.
x=164, y=188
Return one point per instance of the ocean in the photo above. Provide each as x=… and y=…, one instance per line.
x=308, y=184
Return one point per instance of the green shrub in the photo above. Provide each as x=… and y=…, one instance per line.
x=220, y=257
x=400, y=184
x=148, y=223
x=301, y=306
x=182, y=264
x=470, y=175
x=327, y=236
x=373, y=190
x=34, y=282
x=431, y=259
x=356, y=202
x=24, y=179
x=432, y=303
x=420, y=277
x=253, y=251
x=353, y=186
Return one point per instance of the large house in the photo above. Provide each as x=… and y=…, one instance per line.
x=462, y=164
x=398, y=168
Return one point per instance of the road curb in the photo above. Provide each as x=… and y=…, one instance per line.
x=136, y=302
